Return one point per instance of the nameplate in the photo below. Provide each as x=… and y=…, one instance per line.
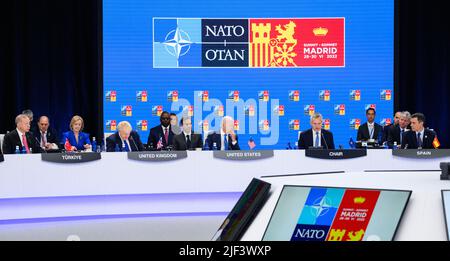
x=336, y=154
x=71, y=157
x=2, y=158
x=243, y=155
x=157, y=155
x=421, y=154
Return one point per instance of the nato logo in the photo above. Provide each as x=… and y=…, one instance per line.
x=195, y=43
x=318, y=214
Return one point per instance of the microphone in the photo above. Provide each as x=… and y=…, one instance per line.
x=324, y=140
x=131, y=138
x=38, y=142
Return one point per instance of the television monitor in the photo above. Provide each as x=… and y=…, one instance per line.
x=243, y=213
x=446, y=204
x=306, y=213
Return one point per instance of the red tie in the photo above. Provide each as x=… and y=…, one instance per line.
x=25, y=143
x=166, y=135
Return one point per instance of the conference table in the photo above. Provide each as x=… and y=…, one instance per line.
x=34, y=189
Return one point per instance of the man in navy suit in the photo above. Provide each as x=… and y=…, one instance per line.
x=418, y=137
x=316, y=137
x=21, y=137
x=225, y=139
x=369, y=130
x=125, y=139
x=161, y=136
x=397, y=131
x=46, y=136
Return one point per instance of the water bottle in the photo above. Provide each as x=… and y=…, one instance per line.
x=23, y=151
x=117, y=149
x=395, y=145
x=205, y=146
x=17, y=150
x=94, y=145
x=123, y=147
x=214, y=146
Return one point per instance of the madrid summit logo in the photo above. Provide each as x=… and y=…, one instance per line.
x=255, y=43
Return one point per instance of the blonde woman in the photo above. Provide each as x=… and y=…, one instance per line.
x=78, y=139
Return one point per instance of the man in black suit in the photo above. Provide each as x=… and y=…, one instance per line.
x=125, y=139
x=161, y=136
x=418, y=137
x=397, y=131
x=187, y=140
x=387, y=128
x=316, y=137
x=21, y=138
x=226, y=139
x=369, y=130
x=47, y=137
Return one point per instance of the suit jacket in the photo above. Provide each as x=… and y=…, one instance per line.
x=51, y=136
x=386, y=130
x=83, y=139
x=12, y=139
x=394, y=135
x=155, y=134
x=364, y=135
x=179, y=142
x=134, y=141
x=410, y=139
x=306, y=139
x=217, y=138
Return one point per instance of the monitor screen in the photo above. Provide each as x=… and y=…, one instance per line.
x=336, y=214
x=243, y=212
x=268, y=65
x=446, y=203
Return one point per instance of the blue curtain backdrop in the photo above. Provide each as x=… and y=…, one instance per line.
x=50, y=62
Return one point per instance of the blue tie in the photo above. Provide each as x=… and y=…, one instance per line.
x=419, y=141
x=316, y=144
x=401, y=136
x=127, y=148
x=225, y=142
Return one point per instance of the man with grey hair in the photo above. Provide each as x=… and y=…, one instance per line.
x=226, y=138
x=397, y=132
x=20, y=138
x=187, y=140
x=316, y=137
x=124, y=140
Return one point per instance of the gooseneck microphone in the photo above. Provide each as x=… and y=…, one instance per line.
x=324, y=140
x=137, y=148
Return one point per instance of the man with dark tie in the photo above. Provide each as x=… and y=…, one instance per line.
x=21, y=137
x=125, y=139
x=161, y=136
x=226, y=139
x=316, y=137
x=187, y=140
x=397, y=131
x=369, y=130
x=47, y=137
x=418, y=137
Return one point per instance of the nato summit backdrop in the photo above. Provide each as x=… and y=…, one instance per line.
x=268, y=64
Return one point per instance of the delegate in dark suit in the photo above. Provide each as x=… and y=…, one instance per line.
x=12, y=139
x=394, y=135
x=134, y=140
x=306, y=140
x=364, y=134
x=51, y=136
x=410, y=140
x=180, y=142
x=217, y=138
x=156, y=134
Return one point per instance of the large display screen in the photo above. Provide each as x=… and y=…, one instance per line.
x=269, y=65
x=336, y=214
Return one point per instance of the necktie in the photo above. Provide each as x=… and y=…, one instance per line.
x=316, y=143
x=225, y=142
x=371, y=132
x=166, y=135
x=43, y=139
x=127, y=148
x=401, y=136
x=25, y=143
x=188, y=142
x=419, y=141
